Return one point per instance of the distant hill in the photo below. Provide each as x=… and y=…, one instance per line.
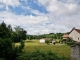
x=50, y=35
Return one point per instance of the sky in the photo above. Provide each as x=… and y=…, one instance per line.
x=41, y=16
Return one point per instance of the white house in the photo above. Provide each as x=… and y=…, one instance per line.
x=42, y=40
x=75, y=34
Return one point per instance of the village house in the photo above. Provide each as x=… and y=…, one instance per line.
x=42, y=41
x=65, y=36
x=75, y=34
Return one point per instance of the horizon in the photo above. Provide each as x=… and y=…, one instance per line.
x=39, y=17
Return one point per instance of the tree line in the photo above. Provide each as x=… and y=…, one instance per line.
x=51, y=35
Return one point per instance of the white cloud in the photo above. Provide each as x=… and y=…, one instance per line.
x=10, y=2
x=60, y=8
x=37, y=24
x=32, y=11
x=62, y=16
x=22, y=20
x=6, y=3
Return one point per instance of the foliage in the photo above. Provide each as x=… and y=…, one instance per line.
x=4, y=31
x=7, y=50
x=54, y=43
x=58, y=40
x=18, y=50
x=38, y=55
x=48, y=40
x=2, y=59
x=51, y=35
x=70, y=41
x=5, y=42
x=21, y=45
x=20, y=34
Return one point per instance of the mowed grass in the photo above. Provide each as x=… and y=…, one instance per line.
x=60, y=50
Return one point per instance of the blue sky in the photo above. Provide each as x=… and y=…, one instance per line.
x=41, y=16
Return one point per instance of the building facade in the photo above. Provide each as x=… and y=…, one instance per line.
x=75, y=34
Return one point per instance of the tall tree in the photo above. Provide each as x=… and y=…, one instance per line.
x=4, y=31
x=5, y=42
x=20, y=33
x=7, y=51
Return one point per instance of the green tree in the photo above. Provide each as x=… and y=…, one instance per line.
x=4, y=31
x=7, y=50
x=20, y=33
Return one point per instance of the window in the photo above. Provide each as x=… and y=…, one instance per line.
x=78, y=38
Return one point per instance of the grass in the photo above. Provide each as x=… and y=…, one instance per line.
x=60, y=50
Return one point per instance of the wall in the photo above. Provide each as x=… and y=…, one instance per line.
x=75, y=35
x=75, y=52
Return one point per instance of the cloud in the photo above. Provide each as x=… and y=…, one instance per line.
x=29, y=19
x=32, y=11
x=6, y=3
x=61, y=15
x=22, y=20
x=10, y=2
x=59, y=8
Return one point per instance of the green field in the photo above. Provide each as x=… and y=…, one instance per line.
x=60, y=50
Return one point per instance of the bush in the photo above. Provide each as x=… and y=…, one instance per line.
x=57, y=41
x=47, y=41
x=38, y=55
x=70, y=41
x=6, y=48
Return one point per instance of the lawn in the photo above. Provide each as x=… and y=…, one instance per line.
x=60, y=50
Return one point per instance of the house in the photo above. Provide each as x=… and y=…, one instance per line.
x=75, y=34
x=42, y=40
x=65, y=36
x=53, y=41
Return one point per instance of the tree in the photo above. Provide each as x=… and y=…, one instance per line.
x=7, y=50
x=4, y=31
x=5, y=42
x=20, y=33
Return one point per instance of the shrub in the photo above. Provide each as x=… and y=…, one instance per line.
x=70, y=41
x=38, y=55
x=57, y=41
x=47, y=41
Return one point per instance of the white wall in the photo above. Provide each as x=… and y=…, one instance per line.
x=42, y=41
x=75, y=35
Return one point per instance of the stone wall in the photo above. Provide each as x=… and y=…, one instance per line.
x=75, y=52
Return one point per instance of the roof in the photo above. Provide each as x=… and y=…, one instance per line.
x=78, y=30
x=65, y=36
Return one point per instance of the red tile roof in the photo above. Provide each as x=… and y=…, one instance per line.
x=65, y=36
x=78, y=30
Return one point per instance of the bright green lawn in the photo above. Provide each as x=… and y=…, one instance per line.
x=60, y=50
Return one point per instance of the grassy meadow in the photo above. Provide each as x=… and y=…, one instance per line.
x=59, y=49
